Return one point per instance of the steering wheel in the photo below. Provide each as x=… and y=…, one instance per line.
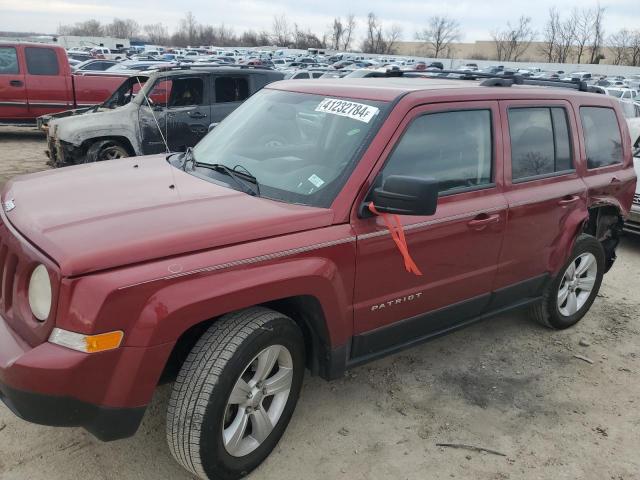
x=272, y=141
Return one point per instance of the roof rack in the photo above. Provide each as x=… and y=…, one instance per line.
x=189, y=66
x=506, y=79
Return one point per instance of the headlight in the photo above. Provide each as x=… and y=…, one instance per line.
x=40, y=293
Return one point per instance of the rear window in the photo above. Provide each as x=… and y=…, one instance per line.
x=231, y=89
x=603, y=141
x=8, y=61
x=540, y=143
x=41, y=61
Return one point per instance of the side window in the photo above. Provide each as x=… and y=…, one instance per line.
x=603, y=141
x=41, y=61
x=454, y=148
x=8, y=61
x=186, y=91
x=302, y=75
x=317, y=74
x=540, y=143
x=231, y=89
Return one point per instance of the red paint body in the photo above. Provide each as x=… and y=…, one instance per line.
x=24, y=96
x=129, y=253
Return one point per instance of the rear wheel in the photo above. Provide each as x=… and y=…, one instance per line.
x=235, y=394
x=106, y=150
x=568, y=297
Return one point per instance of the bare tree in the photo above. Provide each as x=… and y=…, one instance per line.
x=337, y=32
x=634, y=50
x=157, y=33
x=551, y=35
x=122, y=28
x=514, y=41
x=88, y=28
x=374, y=40
x=566, y=39
x=281, y=32
x=187, y=30
x=393, y=35
x=349, y=29
x=620, y=44
x=439, y=34
x=583, y=22
x=597, y=35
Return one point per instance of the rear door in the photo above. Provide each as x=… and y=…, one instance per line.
x=48, y=85
x=456, y=249
x=543, y=188
x=13, y=92
x=229, y=91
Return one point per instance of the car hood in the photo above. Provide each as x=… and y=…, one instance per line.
x=93, y=217
x=101, y=122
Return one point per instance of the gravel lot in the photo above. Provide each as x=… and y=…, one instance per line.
x=506, y=384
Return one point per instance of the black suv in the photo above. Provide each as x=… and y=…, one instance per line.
x=171, y=111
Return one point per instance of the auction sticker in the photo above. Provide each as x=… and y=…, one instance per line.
x=344, y=108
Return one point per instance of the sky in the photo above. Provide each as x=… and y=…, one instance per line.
x=477, y=18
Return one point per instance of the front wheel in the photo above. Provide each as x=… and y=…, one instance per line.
x=568, y=297
x=103, y=150
x=235, y=394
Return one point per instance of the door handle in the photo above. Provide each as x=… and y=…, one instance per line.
x=197, y=115
x=16, y=83
x=568, y=200
x=482, y=220
x=614, y=180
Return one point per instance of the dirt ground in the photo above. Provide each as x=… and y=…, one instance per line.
x=506, y=384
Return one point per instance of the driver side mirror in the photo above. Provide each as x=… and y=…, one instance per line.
x=404, y=195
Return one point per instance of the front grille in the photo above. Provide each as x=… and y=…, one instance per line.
x=636, y=199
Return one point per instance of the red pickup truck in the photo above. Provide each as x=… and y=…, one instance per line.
x=36, y=79
x=321, y=225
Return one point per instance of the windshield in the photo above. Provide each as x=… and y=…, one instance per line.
x=301, y=148
x=615, y=93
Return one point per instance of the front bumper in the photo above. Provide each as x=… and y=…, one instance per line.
x=106, y=393
x=632, y=223
x=104, y=423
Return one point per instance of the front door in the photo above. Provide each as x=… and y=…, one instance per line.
x=179, y=114
x=13, y=92
x=456, y=249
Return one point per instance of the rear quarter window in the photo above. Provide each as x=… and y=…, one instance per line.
x=603, y=142
x=41, y=61
x=8, y=61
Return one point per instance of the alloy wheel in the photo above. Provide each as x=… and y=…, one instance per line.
x=577, y=283
x=257, y=400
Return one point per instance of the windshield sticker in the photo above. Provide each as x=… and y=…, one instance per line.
x=316, y=180
x=356, y=111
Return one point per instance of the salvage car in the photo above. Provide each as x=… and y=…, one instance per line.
x=172, y=112
x=632, y=224
x=323, y=224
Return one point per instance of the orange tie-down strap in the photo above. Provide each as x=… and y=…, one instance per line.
x=394, y=225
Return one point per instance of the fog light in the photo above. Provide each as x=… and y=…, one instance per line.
x=86, y=343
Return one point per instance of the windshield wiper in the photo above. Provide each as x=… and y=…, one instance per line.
x=219, y=167
x=188, y=156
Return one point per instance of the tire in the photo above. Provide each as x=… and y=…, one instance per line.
x=105, y=150
x=202, y=410
x=588, y=261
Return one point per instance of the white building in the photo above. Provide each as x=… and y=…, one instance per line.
x=73, y=41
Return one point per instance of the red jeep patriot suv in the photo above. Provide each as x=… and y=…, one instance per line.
x=323, y=224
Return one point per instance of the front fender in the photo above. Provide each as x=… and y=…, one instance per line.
x=155, y=302
x=191, y=300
